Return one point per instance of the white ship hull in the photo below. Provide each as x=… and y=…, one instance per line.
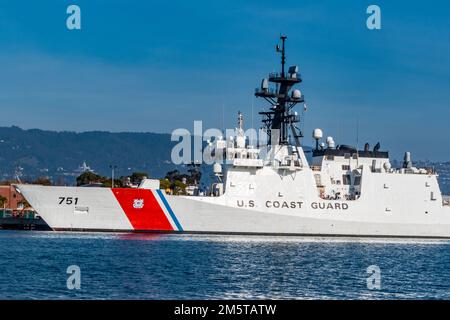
x=104, y=209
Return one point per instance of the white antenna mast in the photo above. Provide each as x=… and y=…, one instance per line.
x=222, y=116
x=253, y=102
x=357, y=133
x=357, y=142
x=252, y=138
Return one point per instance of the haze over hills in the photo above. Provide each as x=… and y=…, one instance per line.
x=35, y=153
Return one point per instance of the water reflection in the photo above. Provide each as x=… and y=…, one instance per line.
x=183, y=266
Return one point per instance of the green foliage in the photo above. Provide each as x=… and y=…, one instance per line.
x=164, y=184
x=174, y=180
x=175, y=175
x=89, y=177
x=3, y=201
x=107, y=183
x=179, y=187
x=44, y=181
x=195, y=175
x=136, y=177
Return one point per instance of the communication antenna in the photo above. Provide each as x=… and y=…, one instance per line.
x=223, y=118
x=283, y=55
x=280, y=117
x=357, y=142
x=357, y=133
x=253, y=102
x=252, y=138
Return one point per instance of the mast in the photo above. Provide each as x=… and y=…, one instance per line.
x=283, y=56
x=281, y=117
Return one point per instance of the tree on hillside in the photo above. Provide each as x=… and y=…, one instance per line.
x=7, y=182
x=44, y=181
x=136, y=177
x=164, y=184
x=107, y=183
x=89, y=177
x=175, y=175
x=179, y=188
x=195, y=174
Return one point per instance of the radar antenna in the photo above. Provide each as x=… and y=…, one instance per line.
x=280, y=118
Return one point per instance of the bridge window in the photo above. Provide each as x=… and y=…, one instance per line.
x=318, y=179
x=346, y=179
x=345, y=167
x=329, y=157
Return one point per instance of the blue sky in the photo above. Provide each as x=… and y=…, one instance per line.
x=159, y=65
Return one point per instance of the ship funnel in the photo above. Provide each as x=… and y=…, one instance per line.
x=407, y=163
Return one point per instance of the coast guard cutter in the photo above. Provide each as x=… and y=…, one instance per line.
x=342, y=192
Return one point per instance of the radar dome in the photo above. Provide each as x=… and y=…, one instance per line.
x=296, y=94
x=330, y=142
x=317, y=134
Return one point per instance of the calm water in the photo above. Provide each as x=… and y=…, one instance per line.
x=134, y=266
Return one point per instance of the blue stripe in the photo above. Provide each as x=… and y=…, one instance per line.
x=172, y=215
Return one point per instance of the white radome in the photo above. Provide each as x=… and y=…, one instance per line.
x=296, y=94
x=317, y=134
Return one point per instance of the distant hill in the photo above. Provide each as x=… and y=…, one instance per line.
x=33, y=153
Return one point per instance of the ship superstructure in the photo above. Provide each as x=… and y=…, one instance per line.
x=269, y=189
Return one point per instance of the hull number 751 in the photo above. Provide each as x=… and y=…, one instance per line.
x=68, y=200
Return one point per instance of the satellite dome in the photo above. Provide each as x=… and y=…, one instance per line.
x=330, y=142
x=317, y=134
x=296, y=94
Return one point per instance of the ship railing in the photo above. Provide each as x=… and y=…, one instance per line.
x=275, y=75
x=270, y=90
x=290, y=164
x=427, y=171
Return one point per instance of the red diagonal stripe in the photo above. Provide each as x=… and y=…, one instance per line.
x=149, y=217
